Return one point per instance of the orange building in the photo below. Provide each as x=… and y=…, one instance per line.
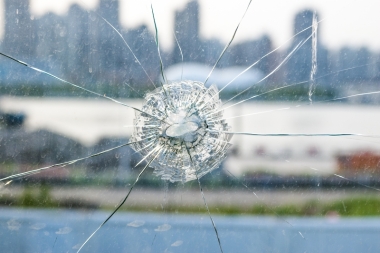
x=363, y=161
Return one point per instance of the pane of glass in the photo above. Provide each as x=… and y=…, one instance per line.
x=189, y=126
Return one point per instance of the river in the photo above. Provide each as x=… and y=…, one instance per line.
x=33, y=230
x=88, y=120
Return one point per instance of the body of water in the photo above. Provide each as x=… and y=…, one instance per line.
x=89, y=120
x=30, y=230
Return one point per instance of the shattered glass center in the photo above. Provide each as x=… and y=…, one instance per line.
x=181, y=127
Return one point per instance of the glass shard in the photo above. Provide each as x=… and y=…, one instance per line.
x=190, y=130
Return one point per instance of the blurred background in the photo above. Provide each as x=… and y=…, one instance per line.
x=44, y=121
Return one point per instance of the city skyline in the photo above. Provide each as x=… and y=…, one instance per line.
x=344, y=23
x=83, y=47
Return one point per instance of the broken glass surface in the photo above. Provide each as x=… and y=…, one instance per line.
x=289, y=137
x=181, y=123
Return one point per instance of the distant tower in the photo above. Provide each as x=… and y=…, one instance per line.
x=109, y=9
x=299, y=65
x=186, y=28
x=303, y=20
x=78, y=40
x=19, y=39
x=106, y=57
x=349, y=58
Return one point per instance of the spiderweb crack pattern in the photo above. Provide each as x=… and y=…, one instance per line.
x=185, y=126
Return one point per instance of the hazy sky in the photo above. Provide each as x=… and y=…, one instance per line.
x=346, y=22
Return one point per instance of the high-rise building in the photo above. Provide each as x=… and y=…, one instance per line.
x=109, y=9
x=186, y=28
x=299, y=65
x=77, y=43
x=51, y=30
x=248, y=52
x=51, y=45
x=356, y=61
x=143, y=45
x=302, y=21
x=19, y=39
x=106, y=56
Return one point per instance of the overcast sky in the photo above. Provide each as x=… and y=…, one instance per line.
x=346, y=22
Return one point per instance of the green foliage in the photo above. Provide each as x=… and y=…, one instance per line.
x=299, y=93
x=39, y=197
x=355, y=207
x=348, y=207
x=292, y=93
x=65, y=90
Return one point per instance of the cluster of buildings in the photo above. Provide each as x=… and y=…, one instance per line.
x=82, y=47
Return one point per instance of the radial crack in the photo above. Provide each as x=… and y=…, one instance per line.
x=228, y=44
x=313, y=71
x=271, y=209
x=349, y=180
x=130, y=49
x=158, y=45
x=295, y=49
x=293, y=135
x=180, y=51
x=121, y=203
x=259, y=60
x=60, y=165
x=72, y=84
x=206, y=205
